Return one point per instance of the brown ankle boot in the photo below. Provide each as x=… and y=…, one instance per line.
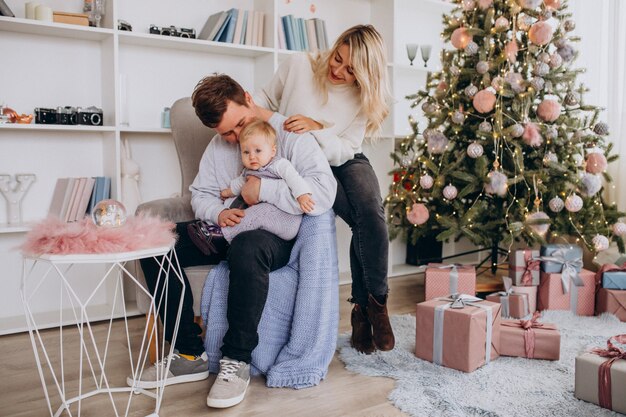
x=361, y=338
x=381, y=328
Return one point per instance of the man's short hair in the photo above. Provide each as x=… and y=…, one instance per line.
x=211, y=96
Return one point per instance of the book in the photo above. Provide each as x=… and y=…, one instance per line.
x=282, y=44
x=261, y=27
x=71, y=18
x=249, y=28
x=85, y=196
x=58, y=197
x=324, y=35
x=76, y=197
x=98, y=191
x=289, y=38
x=229, y=29
x=320, y=30
x=303, y=34
x=255, y=28
x=222, y=28
x=244, y=24
x=5, y=10
x=298, y=34
x=238, y=27
x=212, y=25
x=310, y=31
x=67, y=209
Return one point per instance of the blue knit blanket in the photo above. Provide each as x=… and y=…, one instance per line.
x=298, y=328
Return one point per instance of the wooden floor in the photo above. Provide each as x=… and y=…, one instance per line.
x=342, y=393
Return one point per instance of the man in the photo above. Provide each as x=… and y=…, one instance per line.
x=222, y=104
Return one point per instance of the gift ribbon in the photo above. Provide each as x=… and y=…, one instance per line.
x=529, y=333
x=531, y=264
x=458, y=301
x=614, y=353
x=608, y=268
x=453, y=277
x=569, y=268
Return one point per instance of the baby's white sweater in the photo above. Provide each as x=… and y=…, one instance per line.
x=294, y=91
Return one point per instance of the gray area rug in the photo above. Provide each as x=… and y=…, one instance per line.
x=506, y=387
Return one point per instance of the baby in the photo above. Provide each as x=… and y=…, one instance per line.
x=258, y=155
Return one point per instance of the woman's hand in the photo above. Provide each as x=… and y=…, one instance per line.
x=301, y=124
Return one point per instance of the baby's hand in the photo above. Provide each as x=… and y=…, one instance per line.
x=306, y=203
x=226, y=193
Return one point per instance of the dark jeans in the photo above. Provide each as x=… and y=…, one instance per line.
x=359, y=204
x=251, y=257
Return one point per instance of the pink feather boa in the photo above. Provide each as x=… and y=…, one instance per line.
x=53, y=236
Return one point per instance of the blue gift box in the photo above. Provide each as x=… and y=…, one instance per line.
x=614, y=280
x=568, y=252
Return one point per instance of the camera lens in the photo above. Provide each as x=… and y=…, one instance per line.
x=96, y=119
x=165, y=32
x=184, y=35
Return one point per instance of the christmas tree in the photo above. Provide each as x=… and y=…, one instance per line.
x=511, y=151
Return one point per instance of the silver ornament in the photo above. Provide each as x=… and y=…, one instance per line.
x=590, y=184
x=482, y=67
x=542, y=228
x=437, y=142
x=471, y=48
x=529, y=4
x=548, y=86
x=429, y=108
x=537, y=83
x=516, y=81
x=546, y=15
x=556, y=204
x=619, y=229
x=551, y=133
x=516, y=130
x=406, y=161
x=573, y=203
x=471, y=90
x=469, y=5
x=541, y=69
x=601, y=128
x=474, y=150
x=450, y=192
x=569, y=25
x=485, y=126
x=567, y=52
x=497, y=183
x=555, y=60
x=502, y=23
x=543, y=57
x=109, y=213
x=550, y=157
x=578, y=159
x=426, y=181
x=497, y=82
x=458, y=117
x=600, y=242
x=560, y=42
x=572, y=98
x=524, y=22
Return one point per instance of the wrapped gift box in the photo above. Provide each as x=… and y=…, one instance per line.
x=589, y=386
x=514, y=304
x=532, y=296
x=540, y=341
x=564, y=253
x=524, y=267
x=459, y=338
x=612, y=277
x=612, y=301
x=441, y=280
x=555, y=293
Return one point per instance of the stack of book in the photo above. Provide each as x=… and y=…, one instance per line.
x=238, y=26
x=74, y=197
x=298, y=34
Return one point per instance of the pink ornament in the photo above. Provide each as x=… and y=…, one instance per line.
x=484, y=101
x=510, y=50
x=485, y=4
x=531, y=136
x=596, y=163
x=552, y=4
x=460, y=38
x=312, y=8
x=540, y=33
x=549, y=110
x=418, y=214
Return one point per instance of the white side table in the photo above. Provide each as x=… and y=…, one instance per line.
x=59, y=379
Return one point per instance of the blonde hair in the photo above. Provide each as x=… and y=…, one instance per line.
x=369, y=65
x=258, y=127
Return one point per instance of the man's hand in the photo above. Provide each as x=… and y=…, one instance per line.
x=306, y=203
x=230, y=217
x=251, y=190
x=226, y=193
x=301, y=124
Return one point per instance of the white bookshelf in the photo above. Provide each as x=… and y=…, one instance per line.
x=50, y=65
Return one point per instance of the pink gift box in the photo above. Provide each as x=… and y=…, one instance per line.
x=541, y=341
x=524, y=267
x=612, y=301
x=555, y=293
x=457, y=337
x=532, y=296
x=442, y=279
x=513, y=305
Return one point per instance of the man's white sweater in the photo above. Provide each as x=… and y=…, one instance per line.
x=294, y=91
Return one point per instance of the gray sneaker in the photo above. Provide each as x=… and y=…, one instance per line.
x=181, y=370
x=230, y=385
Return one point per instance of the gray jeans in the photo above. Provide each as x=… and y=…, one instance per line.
x=359, y=204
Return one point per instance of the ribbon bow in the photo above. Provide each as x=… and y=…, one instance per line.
x=504, y=297
x=459, y=301
x=529, y=333
x=531, y=264
x=614, y=353
x=569, y=268
x=608, y=268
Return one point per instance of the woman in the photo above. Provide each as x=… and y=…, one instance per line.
x=339, y=96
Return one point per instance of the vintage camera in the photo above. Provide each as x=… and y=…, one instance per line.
x=91, y=116
x=173, y=31
x=66, y=115
x=45, y=116
x=124, y=25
